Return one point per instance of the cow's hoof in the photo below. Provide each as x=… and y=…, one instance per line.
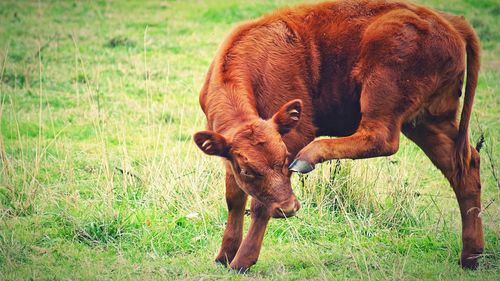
x=301, y=166
x=241, y=267
x=470, y=262
x=222, y=260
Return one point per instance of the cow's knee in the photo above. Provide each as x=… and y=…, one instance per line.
x=475, y=159
x=468, y=185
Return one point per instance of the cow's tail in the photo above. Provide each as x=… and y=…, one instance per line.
x=462, y=148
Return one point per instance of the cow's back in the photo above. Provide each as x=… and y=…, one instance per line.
x=307, y=52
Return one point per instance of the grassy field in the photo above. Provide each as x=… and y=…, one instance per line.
x=99, y=177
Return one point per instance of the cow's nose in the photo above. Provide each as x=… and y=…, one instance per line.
x=288, y=209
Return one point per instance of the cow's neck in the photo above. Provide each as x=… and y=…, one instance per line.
x=231, y=106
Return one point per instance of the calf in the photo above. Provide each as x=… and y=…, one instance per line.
x=362, y=71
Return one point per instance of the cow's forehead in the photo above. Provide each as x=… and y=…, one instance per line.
x=256, y=133
x=259, y=142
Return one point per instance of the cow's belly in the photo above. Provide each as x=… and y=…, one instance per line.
x=338, y=124
x=337, y=114
x=336, y=101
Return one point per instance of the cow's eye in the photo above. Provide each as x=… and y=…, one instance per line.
x=247, y=173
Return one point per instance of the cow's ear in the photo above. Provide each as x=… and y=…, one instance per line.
x=212, y=143
x=288, y=116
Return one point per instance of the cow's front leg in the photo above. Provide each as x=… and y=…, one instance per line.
x=384, y=103
x=236, y=201
x=249, y=250
x=365, y=143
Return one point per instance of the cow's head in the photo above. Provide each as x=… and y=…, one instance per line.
x=258, y=157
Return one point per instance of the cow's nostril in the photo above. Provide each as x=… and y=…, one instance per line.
x=297, y=205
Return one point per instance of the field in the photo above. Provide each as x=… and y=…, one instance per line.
x=100, y=179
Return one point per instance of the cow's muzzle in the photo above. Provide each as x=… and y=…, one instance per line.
x=287, y=209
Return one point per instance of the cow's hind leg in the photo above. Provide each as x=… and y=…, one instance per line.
x=436, y=139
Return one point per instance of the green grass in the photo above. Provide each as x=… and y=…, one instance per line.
x=100, y=178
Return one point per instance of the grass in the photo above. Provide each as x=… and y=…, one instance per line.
x=100, y=178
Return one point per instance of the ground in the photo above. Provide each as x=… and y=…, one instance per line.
x=100, y=179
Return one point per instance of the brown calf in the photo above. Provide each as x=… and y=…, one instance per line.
x=363, y=71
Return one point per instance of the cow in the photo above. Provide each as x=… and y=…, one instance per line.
x=360, y=71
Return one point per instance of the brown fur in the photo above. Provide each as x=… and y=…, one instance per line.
x=363, y=71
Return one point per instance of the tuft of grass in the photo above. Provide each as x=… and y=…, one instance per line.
x=120, y=41
x=14, y=80
x=102, y=230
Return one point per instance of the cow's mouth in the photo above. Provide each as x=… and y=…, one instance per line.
x=279, y=214
x=288, y=210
